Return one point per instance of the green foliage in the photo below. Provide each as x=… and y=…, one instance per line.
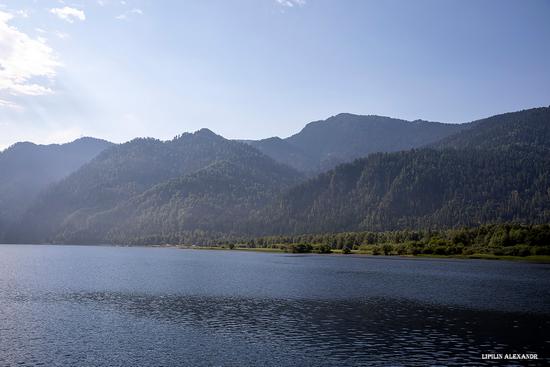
x=535, y=240
x=420, y=189
x=322, y=249
x=299, y=248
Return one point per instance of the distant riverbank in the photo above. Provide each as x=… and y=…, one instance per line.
x=532, y=258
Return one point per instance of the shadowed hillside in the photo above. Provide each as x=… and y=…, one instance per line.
x=118, y=178
x=322, y=145
x=27, y=168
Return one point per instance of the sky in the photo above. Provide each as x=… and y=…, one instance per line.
x=252, y=69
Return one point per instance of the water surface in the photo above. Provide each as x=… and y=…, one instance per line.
x=114, y=306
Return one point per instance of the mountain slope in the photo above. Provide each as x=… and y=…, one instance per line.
x=28, y=168
x=217, y=199
x=465, y=182
x=202, y=187
x=322, y=145
x=284, y=152
x=69, y=208
x=527, y=128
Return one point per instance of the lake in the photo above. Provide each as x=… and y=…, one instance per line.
x=118, y=306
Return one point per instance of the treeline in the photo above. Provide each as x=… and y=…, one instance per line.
x=509, y=239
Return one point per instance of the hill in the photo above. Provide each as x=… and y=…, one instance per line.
x=71, y=210
x=321, y=145
x=527, y=129
x=29, y=168
x=497, y=170
x=201, y=188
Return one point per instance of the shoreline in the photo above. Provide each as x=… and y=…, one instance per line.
x=541, y=259
x=535, y=259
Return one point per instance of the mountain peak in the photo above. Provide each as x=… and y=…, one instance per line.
x=206, y=133
x=90, y=139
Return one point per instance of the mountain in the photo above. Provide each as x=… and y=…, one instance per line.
x=322, y=145
x=155, y=172
x=202, y=188
x=496, y=170
x=284, y=152
x=28, y=168
x=527, y=128
x=220, y=198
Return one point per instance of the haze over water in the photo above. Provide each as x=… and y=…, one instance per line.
x=68, y=305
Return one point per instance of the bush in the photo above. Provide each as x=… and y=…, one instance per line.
x=468, y=251
x=323, y=249
x=440, y=250
x=540, y=250
x=401, y=249
x=387, y=249
x=517, y=250
x=299, y=248
x=377, y=250
x=346, y=250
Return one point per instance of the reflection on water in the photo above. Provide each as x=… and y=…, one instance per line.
x=61, y=323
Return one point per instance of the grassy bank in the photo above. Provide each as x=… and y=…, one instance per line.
x=531, y=258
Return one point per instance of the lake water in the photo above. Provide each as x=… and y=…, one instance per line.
x=114, y=306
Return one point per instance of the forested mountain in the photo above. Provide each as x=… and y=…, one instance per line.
x=419, y=189
x=496, y=170
x=201, y=187
x=221, y=198
x=27, y=168
x=69, y=210
x=284, y=152
x=527, y=128
x=322, y=145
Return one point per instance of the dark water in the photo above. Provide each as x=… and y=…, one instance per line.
x=106, y=306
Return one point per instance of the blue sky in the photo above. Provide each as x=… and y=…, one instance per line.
x=258, y=68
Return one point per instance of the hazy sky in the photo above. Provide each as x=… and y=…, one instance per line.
x=258, y=68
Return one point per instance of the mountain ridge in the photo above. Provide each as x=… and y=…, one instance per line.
x=28, y=168
x=128, y=170
x=482, y=174
x=200, y=186
x=323, y=144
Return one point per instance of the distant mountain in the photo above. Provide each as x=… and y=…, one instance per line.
x=221, y=198
x=202, y=188
x=119, y=179
x=496, y=170
x=28, y=168
x=527, y=128
x=322, y=145
x=284, y=152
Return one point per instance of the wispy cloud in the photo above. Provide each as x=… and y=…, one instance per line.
x=23, y=13
x=27, y=65
x=61, y=35
x=9, y=104
x=69, y=14
x=291, y=3
x=126, y=15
